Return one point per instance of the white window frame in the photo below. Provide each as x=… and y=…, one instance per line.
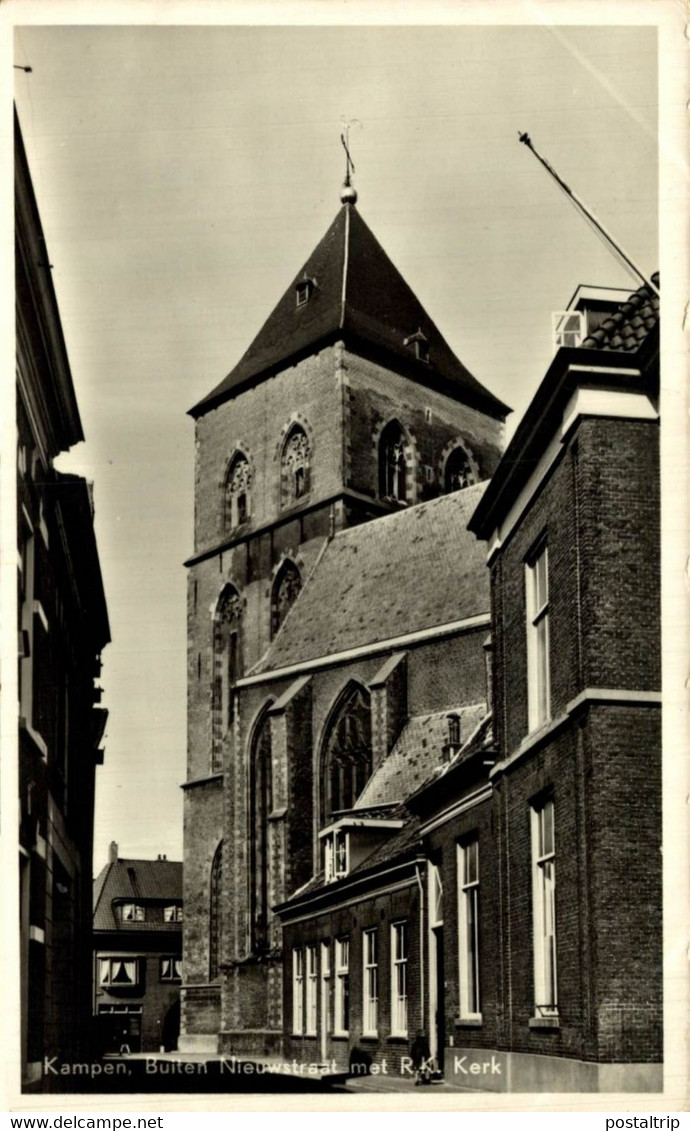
x=370, y=983
x=297, y=991
x=544, y=908
x=336, y=864
x=399, y=978
x=170, y=969
x=538, y=661
x=435, y=896
x=468, y=925
x=172, y=913
x=312, y=984
x=342, y=987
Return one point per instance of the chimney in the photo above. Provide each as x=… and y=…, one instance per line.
x=113, y=852
x=162, y=856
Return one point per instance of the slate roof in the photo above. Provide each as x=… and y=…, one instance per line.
x=415, y=760
x=138, y=881
x=630, y=325
x=416, y=569
x=359, y=297
x=416, y=755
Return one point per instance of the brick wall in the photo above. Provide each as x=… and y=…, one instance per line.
x=379, y=912
x=599, y=510
x=442, y=848
x=435, y=424
x=256, y=423
x=203, y=831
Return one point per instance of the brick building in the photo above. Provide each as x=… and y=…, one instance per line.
x=572, y=522
x=62, y=630
x=137, y=951
x=516, y=907
x=349, y=406
x=390, y=764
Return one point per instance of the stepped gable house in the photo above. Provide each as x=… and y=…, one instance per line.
x=327, y=610
x=62, y=630
x=137, y=941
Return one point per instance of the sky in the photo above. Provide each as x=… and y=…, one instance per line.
x=184, y=175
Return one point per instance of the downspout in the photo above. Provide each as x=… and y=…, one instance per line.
x=420, y=862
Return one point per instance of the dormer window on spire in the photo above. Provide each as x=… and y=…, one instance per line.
x=304, y=290
x=420, y=343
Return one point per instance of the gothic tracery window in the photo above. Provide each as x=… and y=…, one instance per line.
x=226, y=661
x=237, y=492
x=393, y=463
x=294, y=467
x=346, y=759
x=286, y=589
x=459, y=471
x=261, y=802
x=215, y=913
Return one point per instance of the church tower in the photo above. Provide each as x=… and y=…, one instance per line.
x=347, y=406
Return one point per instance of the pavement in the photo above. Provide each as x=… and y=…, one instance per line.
x=395, y=1083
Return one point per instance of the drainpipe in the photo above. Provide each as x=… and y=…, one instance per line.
x=420, y=862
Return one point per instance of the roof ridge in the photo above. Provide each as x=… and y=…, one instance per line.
x=422, y=505
x=105, y=872
x=346, y=264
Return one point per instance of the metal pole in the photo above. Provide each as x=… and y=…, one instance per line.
x=526, y=140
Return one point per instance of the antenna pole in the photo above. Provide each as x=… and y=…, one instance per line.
x=526, y=140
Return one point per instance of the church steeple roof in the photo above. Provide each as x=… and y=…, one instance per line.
x=350, y=290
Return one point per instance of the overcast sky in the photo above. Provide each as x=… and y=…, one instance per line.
x=183, y=176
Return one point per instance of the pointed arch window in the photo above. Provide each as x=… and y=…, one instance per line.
x=295, y=467
x=393, y=463
x=459, y=471
x=286, y=589
x=226, y=668
x=346, y=758
x=237, y=492
x=215, y=913
x=261, y=802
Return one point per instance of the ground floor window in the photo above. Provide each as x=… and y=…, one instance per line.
x=171, y=969
x=468, y=941
x=342, y=987
x=544, y=908
x=370, y=984
x=399, y=979
x=311, y=991
x=118, y=971
x=297, y=991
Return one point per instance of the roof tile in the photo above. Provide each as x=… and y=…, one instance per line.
x=631, y=323
x=367, y=586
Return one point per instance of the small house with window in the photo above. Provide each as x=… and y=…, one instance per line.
x=137, y=939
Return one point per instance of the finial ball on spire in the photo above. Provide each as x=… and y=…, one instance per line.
x=348, y=194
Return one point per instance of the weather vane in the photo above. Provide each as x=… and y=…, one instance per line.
x=345, y=139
